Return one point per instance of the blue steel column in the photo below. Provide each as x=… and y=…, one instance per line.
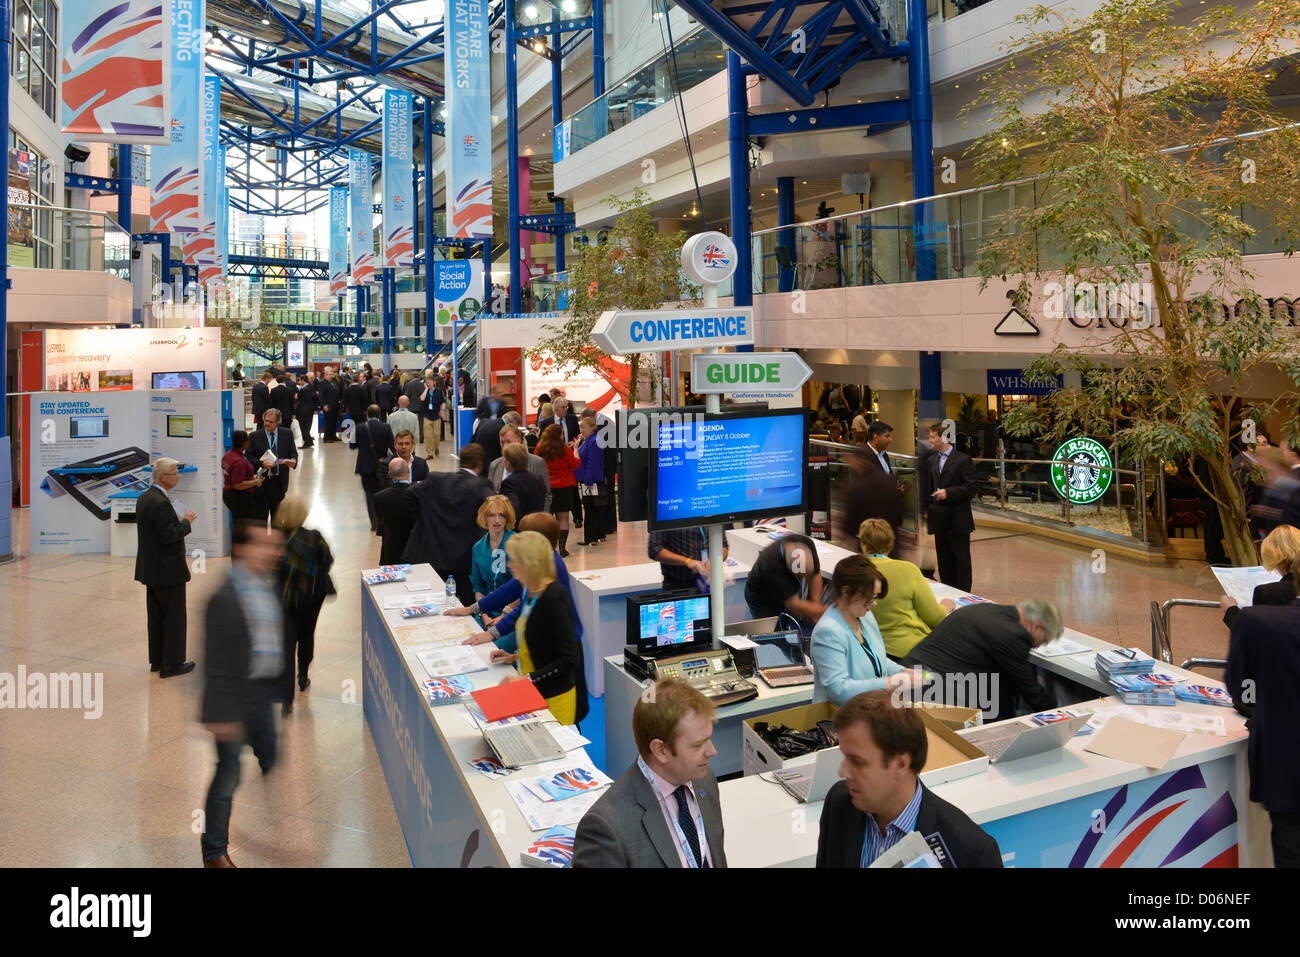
x=512, y=156
x=742, y=281
x=429, y=320
x=6, y=483
x=597, y=48
x=385, y=314
x=918, y=80
x=785, y=217
x=557, y=117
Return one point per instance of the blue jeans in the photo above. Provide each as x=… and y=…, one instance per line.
x=259, y=732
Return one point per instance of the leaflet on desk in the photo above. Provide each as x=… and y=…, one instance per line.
x=1065, y=714
x=552, y=849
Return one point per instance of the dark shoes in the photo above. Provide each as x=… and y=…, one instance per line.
x=174, y=670
x=286, y=710
x=155, y=667
x=222, y=861
x=304, y=684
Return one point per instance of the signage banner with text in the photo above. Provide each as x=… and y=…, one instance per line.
x=363, y=217
x=205, y=241
x=338, y=240
x=469, y=121
x=177, y=166
x=399, y=228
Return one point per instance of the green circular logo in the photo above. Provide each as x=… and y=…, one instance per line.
x=1088, y=475
x=443, y=317
x=469, y=308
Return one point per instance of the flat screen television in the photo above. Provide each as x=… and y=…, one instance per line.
x=668, y=622
x=178, y=380
x=633, y=429
x=728, y=467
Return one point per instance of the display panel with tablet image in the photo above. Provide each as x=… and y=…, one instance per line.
x=668, y=622
x=88, y=427
x=180, y=426
x=178, y=380
x=728, y=467
x=92, y=481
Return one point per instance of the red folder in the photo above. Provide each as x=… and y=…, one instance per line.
x=505, y=701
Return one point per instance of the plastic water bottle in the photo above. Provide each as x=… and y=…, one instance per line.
x=451, y=591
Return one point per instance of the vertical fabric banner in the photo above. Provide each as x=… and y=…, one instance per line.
x=469, y=118
x=177, y=167
x=205, y=240
x=116, y=70
x=338, y=240
x=363, y=217
x=399, y=231
x=223, y=216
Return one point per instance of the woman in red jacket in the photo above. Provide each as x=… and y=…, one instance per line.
x=561, y=461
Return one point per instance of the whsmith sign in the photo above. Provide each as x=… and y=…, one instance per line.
x=1012, y=382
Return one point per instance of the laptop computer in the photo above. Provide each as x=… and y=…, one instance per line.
x=522, y=745
x=1014, y=741
x=810, y=788
x=782, y=659
x=753, y=626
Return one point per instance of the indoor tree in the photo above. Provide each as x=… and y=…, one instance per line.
x=632, y=266
x=1156, y=154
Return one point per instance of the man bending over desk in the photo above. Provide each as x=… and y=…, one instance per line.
x=879, y=799
x=663, y=811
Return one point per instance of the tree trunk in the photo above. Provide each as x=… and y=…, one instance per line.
x=1237, y=541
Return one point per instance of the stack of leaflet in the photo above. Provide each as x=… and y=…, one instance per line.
x=448, y=689
x=1202, y=694
x=383, y=575
x=421, y=610
x=1131, y=674
x=552, y=849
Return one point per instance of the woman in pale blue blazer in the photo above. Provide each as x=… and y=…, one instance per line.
x=847, y=650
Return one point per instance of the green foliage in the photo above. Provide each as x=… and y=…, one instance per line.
x=1135, y=121
x=635, y=267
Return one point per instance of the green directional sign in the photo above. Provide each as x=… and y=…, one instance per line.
x=1088, y=474
x=748, y=372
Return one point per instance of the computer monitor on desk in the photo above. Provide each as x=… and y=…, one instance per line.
x=668, y=623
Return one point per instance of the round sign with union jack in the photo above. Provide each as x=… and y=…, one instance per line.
x=709, y=258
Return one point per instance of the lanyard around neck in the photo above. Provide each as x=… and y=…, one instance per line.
x=677, y=824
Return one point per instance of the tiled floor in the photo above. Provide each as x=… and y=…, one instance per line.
x=125, y=789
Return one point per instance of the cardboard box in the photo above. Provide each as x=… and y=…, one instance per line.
x=757, y=755
x=958, y=719
x=949, y=756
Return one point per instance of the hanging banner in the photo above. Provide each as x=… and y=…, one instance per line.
x=223, y=216
x=457, y=289
x=116, y=71
x=338, y=240
x=469, y=118
x=204, y=245
x=399, y=228
x=363, y=217
x=177, y=167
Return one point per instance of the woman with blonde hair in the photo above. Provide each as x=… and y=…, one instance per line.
x=549, y=654
x=304, y=583
x=1279, y=552
x=907, y=611
x=488, y=570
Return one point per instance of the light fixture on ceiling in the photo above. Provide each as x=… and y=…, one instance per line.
x=530, y=11
x=265, y=22
x=694, y=210
x=569, y=6
x=539, y=47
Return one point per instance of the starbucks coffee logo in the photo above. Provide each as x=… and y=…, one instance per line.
x=1088, y=474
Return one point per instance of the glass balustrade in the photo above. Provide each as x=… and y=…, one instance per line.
x=88, y=239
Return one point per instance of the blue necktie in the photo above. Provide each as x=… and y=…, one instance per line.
x=688, y=825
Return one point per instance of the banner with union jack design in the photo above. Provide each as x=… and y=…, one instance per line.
x=363, y=217
x=469, y=116
x=177, y=167
x=116, y=71
x=338, y=240
x=205, y=244
x=399, y=227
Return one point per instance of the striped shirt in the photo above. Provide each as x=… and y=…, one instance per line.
x=875, y=843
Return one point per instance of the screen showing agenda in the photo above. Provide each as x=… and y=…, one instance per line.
x=726, y=467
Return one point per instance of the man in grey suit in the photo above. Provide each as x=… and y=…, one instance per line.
x=663, y=811
x=512, y=432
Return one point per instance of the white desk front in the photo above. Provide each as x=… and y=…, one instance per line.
x=744, y=544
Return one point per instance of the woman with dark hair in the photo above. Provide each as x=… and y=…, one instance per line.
x=542, y=400
x=240, y=478
x=562, y=463
x=303, y=574
x=847, y=650
x=468, y=397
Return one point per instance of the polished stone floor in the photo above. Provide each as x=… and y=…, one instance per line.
x=125, y=789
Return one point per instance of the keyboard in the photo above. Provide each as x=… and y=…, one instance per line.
x=520, y=745
x=786, y=676
x=994, y=747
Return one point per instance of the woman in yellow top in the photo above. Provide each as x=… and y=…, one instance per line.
x=549, y=654
x=908, y=611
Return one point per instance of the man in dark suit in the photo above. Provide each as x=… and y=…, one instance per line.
x=355, y=402
x=879, y=435
x=262, y=396
x=243, y=660
x=304, y=409
x=880, y=800
x=992, y=642
x=527, y=493
x=374, y=441
x=276, y=439
x=1262, y=676
x=404, y=448
x=160, y=566
x=487, y=433
x=393, y=512
x=953, y=484
x=491, y=406
x=868, y=492
x=564, y=417
x=327, y=398
x=446, y=506
x=282, y=397
x=384, y=397
x=663, y=811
